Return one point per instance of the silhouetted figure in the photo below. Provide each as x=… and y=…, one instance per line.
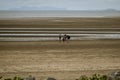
x=60, y=37
x=66, y=37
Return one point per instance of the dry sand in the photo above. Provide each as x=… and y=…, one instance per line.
x=63, y=61
x=61, y=22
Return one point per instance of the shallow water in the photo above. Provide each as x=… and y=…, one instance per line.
x=42, y=34
x=43, y=37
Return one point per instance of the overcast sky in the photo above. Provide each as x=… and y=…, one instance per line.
x=59, y=4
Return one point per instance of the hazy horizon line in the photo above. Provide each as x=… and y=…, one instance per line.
x=59, y=10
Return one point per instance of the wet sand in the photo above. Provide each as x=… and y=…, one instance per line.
x=63, y=61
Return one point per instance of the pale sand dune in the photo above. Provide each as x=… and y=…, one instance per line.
x=61, y=60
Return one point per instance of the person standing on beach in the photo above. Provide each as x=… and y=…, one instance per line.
x=64, y=38
x=68, y=37
x=60, y=37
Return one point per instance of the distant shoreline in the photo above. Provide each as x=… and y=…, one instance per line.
x=58, y=13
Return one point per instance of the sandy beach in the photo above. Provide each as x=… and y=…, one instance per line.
x=61, y=22
x=60, y=60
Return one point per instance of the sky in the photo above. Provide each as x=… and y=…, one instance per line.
x=59, y=4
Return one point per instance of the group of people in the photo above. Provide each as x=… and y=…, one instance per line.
x=64, y=37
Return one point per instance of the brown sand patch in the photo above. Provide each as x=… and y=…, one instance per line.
x=61, y=22
x=59, y=60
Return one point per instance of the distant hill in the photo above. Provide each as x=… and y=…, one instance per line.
x=38, y=8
